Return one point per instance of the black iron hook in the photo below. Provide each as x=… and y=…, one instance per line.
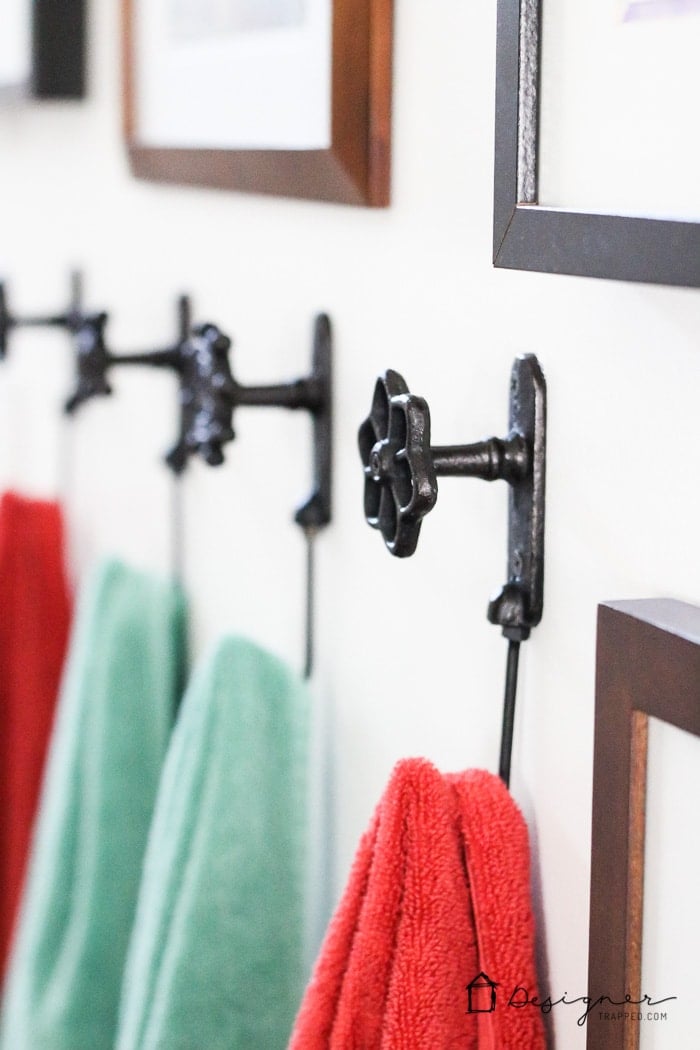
x=69, y=318
x=209, y=393
x=401, y=470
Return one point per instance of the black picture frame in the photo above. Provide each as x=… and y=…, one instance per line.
x=58, y=49
x=529, y=236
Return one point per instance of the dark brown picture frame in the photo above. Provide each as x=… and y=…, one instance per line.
x=355, y=169
x=647, y=664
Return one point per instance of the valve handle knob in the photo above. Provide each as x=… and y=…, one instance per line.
x=92, y=358
x=400, y=479
x=206, y=395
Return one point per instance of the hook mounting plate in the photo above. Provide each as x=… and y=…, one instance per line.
x=518, y=606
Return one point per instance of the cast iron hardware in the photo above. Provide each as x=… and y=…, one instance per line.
x=69, y=318
x=401, y=471
x=94, y=361
x=209, y=393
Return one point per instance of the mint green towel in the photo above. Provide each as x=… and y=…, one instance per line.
x=216, y=958
x=109, y=742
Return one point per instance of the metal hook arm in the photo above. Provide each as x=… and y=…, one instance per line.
x=509, y=712
x=495, y=459
x=68, y=319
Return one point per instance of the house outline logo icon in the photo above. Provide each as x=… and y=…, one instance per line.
x=481, y=994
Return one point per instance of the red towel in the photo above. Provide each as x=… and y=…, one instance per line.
x=438, y=899
x=34, y=622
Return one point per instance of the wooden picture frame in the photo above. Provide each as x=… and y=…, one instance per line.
x=530, y=236
x=647, y=664
x=354, y=169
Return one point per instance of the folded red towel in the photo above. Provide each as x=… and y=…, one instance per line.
x=34, y=623
x=438, y=896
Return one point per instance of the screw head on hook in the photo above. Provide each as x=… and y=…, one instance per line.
x=400, y=480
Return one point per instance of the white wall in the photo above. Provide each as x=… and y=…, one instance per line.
x=407, y=662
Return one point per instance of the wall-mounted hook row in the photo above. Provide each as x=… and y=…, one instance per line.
x=401, y=470
x=208, y=390
x=208, y=395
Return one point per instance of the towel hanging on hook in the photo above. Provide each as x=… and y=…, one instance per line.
x=401, y=470
x=208, y=395
x=87, y=331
